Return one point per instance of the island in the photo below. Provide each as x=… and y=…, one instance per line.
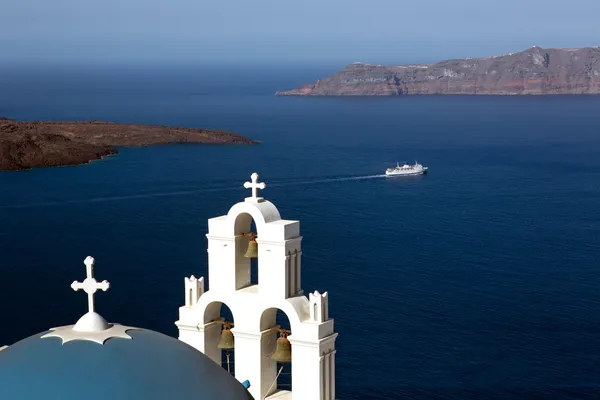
x=535, y=71
x=26, y=145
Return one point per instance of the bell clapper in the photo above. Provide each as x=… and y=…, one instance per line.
x=227, y=352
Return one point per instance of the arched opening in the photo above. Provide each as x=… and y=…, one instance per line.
x=246, y=268
x=253, y=261
x=278, y=374
x=220, y=314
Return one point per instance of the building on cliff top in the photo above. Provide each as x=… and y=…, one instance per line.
x=94, y=359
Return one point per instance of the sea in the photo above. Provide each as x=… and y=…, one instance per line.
x=479, y=280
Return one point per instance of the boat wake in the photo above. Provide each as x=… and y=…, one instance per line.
x=186, y=192
x=327, y=180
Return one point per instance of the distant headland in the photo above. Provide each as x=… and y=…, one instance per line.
x=535, y=71
x=25, y=145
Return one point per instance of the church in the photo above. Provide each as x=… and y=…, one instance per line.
x=95, y=359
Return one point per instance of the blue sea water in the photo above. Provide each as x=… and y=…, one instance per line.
x=478, y=281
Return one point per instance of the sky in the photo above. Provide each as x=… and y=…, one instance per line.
x=215, y=32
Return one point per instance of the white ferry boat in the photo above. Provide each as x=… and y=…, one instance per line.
x=406, y=169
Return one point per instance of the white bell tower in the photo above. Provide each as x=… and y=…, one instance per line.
x=254, y=307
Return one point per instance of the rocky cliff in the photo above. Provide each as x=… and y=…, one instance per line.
x=533, y=71
x=25, y=145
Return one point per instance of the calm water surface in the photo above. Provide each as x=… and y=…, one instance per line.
x=478, y=281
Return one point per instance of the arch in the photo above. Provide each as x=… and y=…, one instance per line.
x=294, y=309
x=243, y=223
x=241, y=215
x=270, y=318
x=213, y=311
x=246, y=269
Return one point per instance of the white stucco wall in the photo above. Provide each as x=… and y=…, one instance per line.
x=254, y=306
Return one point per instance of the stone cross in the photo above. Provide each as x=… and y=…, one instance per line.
x=90, y=285
x=254, y=185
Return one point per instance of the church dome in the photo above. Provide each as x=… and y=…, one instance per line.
x=147, y=365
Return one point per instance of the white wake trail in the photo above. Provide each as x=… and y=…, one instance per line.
x=185, y=192
x=342, y=179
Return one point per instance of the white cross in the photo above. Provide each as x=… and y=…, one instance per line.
x=254, y=185
x=90, y=285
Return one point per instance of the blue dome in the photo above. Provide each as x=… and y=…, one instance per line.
x=149, y=366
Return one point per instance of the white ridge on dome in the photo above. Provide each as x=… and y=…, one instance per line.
x=68, y=333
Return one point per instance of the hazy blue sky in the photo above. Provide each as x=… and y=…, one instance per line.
x=309, y=31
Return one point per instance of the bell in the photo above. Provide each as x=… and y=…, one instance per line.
x=226, y=341
x=283, y=352
x=252, y=251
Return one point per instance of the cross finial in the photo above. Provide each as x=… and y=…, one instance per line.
x=254, y=185
x=91, y=326
x=90, y=285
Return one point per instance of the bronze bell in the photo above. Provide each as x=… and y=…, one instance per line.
x=252, y=251
x=283, y=352
x=226, y=341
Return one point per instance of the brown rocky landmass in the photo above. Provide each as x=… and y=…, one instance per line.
x=533, y=71
x=25, y=145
